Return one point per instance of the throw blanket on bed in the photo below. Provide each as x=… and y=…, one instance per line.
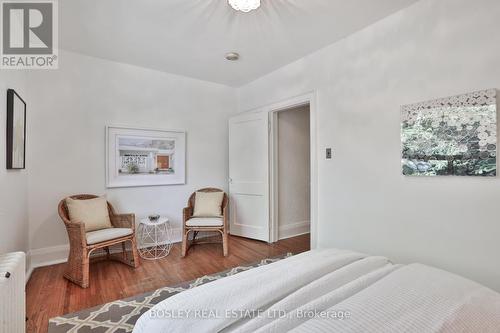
x=329, y=290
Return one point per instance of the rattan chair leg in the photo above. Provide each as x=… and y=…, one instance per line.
x=184, y=243
x=124, y=250
x=225, y=245
x=135, y=255
x=77, y=268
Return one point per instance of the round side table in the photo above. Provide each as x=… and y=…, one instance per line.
x=155, y=238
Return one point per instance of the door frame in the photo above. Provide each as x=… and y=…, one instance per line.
x=272, y=109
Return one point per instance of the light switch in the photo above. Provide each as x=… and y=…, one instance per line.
x=328, y=153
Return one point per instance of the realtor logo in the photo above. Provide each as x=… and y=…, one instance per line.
x=29, y=34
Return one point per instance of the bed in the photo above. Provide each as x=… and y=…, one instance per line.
x=330, y=290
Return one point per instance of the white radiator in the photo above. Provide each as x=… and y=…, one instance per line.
x=12, y=292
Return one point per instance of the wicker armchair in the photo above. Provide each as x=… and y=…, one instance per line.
x=82, y=246
x=217, y=224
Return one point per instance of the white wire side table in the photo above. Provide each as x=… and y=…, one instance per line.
x=155, y=238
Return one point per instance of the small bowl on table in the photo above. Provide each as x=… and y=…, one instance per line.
x=154, y=217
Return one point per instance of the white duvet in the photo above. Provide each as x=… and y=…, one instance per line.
x=330, y=290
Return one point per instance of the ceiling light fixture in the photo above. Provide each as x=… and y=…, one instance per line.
x=244, y=5
x=232, y=56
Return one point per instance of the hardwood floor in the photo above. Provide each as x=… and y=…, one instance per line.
x=49, y=295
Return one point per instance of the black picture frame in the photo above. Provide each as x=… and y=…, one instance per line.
x=12, y=106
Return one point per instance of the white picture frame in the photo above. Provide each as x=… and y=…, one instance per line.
x=144, y=157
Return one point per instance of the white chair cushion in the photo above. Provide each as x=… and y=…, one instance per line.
x=208, y=204
x=205, y=222
x=102, y=235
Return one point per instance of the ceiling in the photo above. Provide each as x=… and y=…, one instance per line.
x=191, y=37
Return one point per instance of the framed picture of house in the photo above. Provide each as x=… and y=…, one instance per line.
x=144, y=157
x=16, y=131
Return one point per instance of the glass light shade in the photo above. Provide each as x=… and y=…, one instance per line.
x=244, y=5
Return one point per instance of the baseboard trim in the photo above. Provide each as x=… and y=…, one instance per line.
x=48, y=255
x=28, y=273
x=290, y=230
x=58, y=254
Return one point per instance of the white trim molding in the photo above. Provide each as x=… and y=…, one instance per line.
x=293, y=229
x=48, y=255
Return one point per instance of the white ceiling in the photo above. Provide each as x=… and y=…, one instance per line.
x=190, y=37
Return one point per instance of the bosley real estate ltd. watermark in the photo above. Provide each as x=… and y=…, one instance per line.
x=29, y=34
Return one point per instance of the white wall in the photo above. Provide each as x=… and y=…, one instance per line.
x=13, y=183
x=294, y=170
x=431, y=49
x=70, y=108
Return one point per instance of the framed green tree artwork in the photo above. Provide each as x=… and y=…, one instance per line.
x=453, y=136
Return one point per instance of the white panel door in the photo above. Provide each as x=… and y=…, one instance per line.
x=249, y=175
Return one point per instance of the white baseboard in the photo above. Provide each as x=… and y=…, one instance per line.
x=293, y=229
x=28, y=273
x=58, y=254
x=48, y=255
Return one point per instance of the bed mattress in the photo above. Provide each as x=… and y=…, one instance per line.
x=330, y=290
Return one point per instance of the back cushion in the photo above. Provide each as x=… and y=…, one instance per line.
x=208, y=204
x=92, y=212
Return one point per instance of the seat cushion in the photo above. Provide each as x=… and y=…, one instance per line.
x=205, y=222
x=208, y=204
x=93, y=212
x=102, y=235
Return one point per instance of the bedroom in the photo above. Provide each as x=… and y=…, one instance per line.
x=161, y=65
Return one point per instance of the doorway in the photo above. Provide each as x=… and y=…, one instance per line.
x=253, y=173
x=291, y=172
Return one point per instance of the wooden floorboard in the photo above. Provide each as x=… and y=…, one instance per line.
x=49, y=295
